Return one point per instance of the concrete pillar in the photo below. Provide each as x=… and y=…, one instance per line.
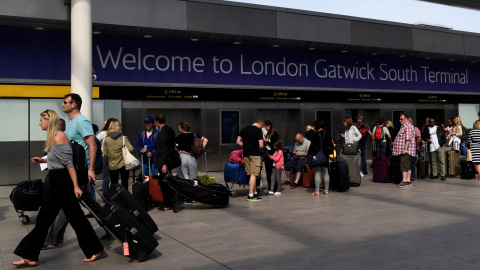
x=81, y=53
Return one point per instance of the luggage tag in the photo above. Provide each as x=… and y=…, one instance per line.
x=126, y=250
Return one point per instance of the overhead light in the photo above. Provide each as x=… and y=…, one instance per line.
x=194, y=39
x=402, y=56
x=344, y=51
x=276, y=46
x=374, y=53
x=311, y=49
x=39, y=28
x=147, y=36
x=96, y=32
x=451, y=60
x=237, y=42
x=428, y=58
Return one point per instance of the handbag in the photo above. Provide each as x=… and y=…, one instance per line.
x=131, y=163
x=174, y=160
x=318, y=159
x=469, y=154
x=350, y=149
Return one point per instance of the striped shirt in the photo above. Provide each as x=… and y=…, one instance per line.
x=406, y=133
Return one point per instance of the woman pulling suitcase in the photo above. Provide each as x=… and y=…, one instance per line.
x=63, y=193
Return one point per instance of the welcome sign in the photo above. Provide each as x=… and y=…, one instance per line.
x=139, y=61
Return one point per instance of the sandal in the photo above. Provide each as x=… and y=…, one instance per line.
x=94, y=257
x=325, y=192
x=25, y=263
x=316, y=193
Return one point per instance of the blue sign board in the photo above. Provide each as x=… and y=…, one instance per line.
x=46, y=55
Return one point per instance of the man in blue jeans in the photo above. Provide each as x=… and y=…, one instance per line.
x=362, y=144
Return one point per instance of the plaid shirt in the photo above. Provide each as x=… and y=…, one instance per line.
x=406, y=133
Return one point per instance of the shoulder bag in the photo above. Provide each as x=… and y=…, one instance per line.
x=350, y=149
x=131, y=163
x=319, y=158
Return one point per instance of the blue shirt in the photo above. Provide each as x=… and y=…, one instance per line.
x=77, y=129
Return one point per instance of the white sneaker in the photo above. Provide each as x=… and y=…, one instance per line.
x=277, y=193
x=361, y=174
x=270, y=192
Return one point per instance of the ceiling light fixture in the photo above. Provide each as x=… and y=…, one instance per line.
x=194, y=39
x=96, y=32
x=276, y=46
x=311, y=49
x=344, y=51
x=237, y=42
x=39, y=28
x=147, y=36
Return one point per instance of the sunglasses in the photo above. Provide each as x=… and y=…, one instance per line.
x=65, y=102
x=46, y=111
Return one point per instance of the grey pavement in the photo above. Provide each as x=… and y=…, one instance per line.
x=431, y=225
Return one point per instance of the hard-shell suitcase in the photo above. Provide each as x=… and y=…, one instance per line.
x=339, y=176
x=353, y=163
x=27, y=196
x=126, y=228
x=308, y=176
x=422, y=169
x=467, y=170
x=394, y=170
x=155, y=194
x=120, y=195
x=214, y=194
x=237, y=157
x=206, y=179
x=380, y=169
x=140, y=192
x=454, y=168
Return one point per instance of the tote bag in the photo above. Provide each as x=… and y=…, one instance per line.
x=131, y=163
x=318, y=159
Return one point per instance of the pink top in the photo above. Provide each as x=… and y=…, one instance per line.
x=278, y=159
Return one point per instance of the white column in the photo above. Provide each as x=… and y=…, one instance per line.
x=81, y=53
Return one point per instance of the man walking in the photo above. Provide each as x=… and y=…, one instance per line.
x=251, y=139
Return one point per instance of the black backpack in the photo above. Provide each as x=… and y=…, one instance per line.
x=80, y=162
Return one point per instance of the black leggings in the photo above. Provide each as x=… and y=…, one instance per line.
x=123, y=173
x=58, y=196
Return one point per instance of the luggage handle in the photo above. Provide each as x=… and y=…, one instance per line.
x=99, y=193
x=206, y=167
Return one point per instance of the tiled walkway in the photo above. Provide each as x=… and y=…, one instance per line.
x=431, y=225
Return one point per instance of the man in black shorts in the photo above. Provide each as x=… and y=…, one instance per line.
x=251, y=139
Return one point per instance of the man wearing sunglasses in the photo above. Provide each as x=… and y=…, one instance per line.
x=404, y=146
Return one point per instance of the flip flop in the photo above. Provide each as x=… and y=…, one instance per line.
x=316, y=193
x=26, y=263
x=94, y=257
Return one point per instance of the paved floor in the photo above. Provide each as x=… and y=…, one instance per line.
x=431, y=225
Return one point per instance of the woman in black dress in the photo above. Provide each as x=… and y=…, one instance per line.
x=270, y=138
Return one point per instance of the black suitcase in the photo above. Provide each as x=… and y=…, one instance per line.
x=467, y=170
x=395, y=174
x=339, y=176
x=140, y=192
x=214, y=194
x=422, y=169
x=126, y=228
x=120, y=195
x=27, y=196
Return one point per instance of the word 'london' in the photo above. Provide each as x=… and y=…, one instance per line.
x=321, y=68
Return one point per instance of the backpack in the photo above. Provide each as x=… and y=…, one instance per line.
x=80, y=162
x=363, y=131
x=379, y=136
x=197, y=147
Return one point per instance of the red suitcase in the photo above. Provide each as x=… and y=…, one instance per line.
x=154, y=191
x=380, y=169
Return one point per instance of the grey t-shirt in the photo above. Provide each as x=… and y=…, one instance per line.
x=302, y=148
x=60, y=156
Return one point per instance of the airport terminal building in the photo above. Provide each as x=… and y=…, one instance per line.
x=220, y=65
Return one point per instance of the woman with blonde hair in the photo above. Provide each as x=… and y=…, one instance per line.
x=62, y=194
x=393, y=134
x=458, y=130
x=113, y=154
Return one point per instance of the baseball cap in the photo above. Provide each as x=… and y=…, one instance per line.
x=148, y=119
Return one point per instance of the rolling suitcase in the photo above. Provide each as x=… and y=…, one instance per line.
x=454, y=168
x=206, y=179
x=120, y=195
x=214, y=194
x=353, y=163
x=235, y=173
x=394, y=170
x=140, y=187
x=237, y=157
x=126, y=228
x=422, y=169
x=339, y=176
x=467, y=170
x=308, y=176
x=380, y=169
x=27, y=196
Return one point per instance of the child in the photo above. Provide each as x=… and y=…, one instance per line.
x=277, y=170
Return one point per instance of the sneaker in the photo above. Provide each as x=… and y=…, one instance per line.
x=409, y=184
x=294, y=185
x=434, y=177
x=271, y=193
x=286, y=183
x=443, y=178
x=361, y=174
x=403, y=184
x=253, y=198
x=48, y=246
x=277, y=193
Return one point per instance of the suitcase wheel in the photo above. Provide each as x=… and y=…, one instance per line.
x=233, y=194
x=25, y=219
